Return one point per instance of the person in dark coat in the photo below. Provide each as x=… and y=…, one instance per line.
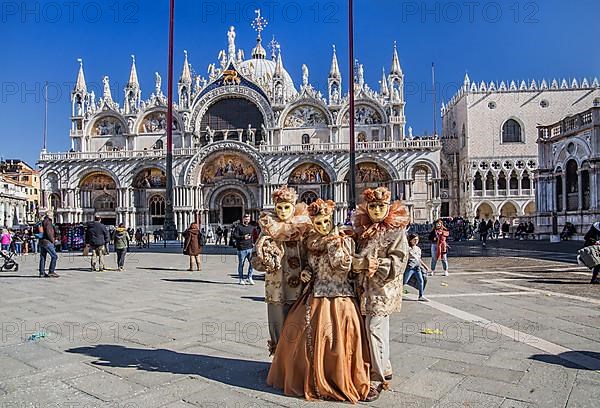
x=191, y=245
x=97, y=237
x=47, y=247
x=592, y=237
x=483, y=232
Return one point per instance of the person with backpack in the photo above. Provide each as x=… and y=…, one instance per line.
x=592, y=237
x=97, y=237
x=46, y=232
x=121, y=242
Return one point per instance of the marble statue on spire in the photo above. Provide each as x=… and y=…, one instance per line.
x=304, y=75
x=231, y=42
x=158, y=82
x=106, y=95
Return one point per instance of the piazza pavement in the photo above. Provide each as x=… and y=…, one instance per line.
x=517, y=326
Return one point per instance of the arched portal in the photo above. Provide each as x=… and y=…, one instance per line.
x=311, y=181
x=149, y=197
x=99, y=197
x=508, y=210
x=484, y=211
x=228, y=205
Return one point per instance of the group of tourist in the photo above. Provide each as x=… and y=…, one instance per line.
x=21, y=242
x=97, y=240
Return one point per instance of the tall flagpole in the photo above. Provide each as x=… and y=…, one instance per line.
x=45, y=116
x=434, y=100
x=352, y=187
x=170, y=231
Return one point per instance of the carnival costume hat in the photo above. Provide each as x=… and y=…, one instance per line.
x=321, y=207
x=285, y=194
x=397, y=217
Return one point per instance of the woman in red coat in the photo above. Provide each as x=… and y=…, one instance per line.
x=439, y=246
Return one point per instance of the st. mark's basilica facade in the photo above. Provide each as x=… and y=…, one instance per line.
x=238, y=134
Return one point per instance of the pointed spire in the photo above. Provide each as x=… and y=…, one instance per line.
x=80, y=84
x=544, y=85
x=186, y=74
x=585, y=83
x=467, y=82
x=385, y=90
x=334, y=72
x=502, y=86
x=133, y=82
x=279, y=66
x=396, y=69
x=595, y=83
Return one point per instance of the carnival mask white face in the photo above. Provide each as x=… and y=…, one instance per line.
x=284, y=210
x=323, y=224
x=378, y=211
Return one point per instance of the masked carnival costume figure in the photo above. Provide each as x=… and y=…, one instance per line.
x=382, y=255
x=323, y=352
x=280, y=253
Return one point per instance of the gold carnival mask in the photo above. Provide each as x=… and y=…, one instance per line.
x=378, y=210
x=323, y=224
x=284, y=210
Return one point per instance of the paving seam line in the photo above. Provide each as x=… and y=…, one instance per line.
x=562, y=352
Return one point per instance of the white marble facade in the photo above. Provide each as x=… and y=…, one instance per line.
x=238, y=134
x=490, y=154
x=13, y=203
x=569, y=175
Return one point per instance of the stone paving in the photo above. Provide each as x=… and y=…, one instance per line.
x=519, y=328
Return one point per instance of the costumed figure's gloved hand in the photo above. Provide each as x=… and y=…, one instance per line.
x=305, y=276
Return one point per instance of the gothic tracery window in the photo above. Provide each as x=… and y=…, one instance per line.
x=512, y=132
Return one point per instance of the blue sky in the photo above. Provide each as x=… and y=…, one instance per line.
x=492, y=40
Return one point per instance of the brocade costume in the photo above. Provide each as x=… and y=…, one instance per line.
x=323, y=352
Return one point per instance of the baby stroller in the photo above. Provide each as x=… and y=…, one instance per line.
x=9, y=263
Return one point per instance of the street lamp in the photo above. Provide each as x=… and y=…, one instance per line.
x=170, y=231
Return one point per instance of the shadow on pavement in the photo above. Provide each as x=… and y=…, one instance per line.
x=254, y=298
x=566, y=359
x=239, y=373
x=184, y=280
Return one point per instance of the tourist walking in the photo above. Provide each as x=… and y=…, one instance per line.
x=592, y=237
x=416, y=266
x=505, y=229
x=219, y=234
x=483, y=232
x=191, y=245
x=496, y=233
x=244, y=244
x=439, y=246
x=5, y=240
x=225, y=236
x=47, y=236
x=121, y=242
x=97, y=237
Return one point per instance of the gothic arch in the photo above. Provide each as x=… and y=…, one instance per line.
x=482, y=207
x=378, y=160
x=422, y=162
x=191, y=173
x=89, y=128
x=306, y=102
x=77, y=178
x=157, y=109
x=205, y=100
x=366, y=102
x=138, y=168
x=287, y=171
x=505, y=209
x=231, y=185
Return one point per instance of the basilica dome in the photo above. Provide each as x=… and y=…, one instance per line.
x=261, y=71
